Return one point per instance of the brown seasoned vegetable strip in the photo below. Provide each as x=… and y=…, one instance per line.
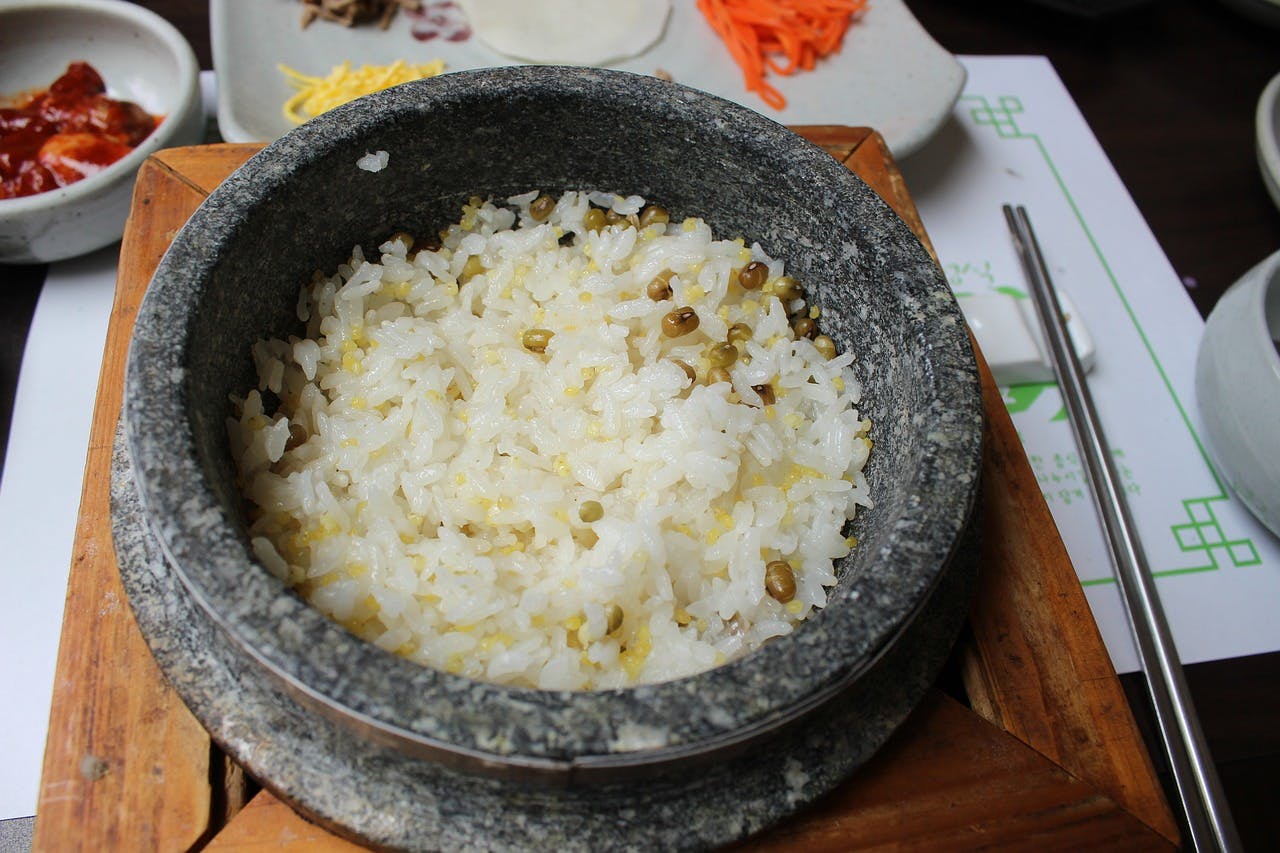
x=352, y=12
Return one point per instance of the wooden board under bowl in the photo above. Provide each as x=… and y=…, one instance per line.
x=1044, y=754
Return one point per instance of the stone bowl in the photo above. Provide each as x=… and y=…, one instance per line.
x=142, y=58
x=232, y=276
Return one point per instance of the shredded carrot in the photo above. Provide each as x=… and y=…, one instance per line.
x=782, y=36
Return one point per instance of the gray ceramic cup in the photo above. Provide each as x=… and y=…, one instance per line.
x=1238, y=388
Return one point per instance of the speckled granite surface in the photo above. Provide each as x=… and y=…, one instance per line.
x=379, y=795
x=231, y=277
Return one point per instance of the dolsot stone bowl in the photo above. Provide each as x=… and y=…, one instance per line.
x=232, y=277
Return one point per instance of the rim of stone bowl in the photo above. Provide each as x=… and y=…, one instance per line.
x=522, y=731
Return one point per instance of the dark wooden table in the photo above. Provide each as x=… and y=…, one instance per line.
x=1169, y=88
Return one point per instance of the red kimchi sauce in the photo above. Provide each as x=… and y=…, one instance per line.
x=65, y=133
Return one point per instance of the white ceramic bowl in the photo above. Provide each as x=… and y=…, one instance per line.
x=1238, y=388
x=143, y=59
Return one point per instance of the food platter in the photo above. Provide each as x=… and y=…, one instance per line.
x=890, y=73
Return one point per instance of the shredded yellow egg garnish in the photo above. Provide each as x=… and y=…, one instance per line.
x=318, y=94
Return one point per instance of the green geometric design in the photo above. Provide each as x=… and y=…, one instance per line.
x=1243, y=553
x=1202, y=536
x=1000, y=116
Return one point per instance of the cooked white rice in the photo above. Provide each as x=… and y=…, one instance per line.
x=417, y=473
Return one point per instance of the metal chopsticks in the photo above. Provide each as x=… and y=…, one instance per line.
x=1208, y=818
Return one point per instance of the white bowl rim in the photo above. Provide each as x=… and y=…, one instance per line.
x=1257, y=285
x=1266, y=122
x=188, y=70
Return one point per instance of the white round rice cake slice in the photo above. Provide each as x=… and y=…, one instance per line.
x=571, y=32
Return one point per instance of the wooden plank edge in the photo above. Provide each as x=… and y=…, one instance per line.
x=1014, y=797
x=203, y=167
x=1038, y=666
x=997, y=677
x=903, y=798
x=106, y=683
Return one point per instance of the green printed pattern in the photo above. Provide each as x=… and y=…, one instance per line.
x=1201, y=537
x=1000, y=117
x=1020, y=398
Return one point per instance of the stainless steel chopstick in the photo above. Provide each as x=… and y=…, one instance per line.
x=1208, y=817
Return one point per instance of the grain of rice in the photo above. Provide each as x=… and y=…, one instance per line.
x=375, y=162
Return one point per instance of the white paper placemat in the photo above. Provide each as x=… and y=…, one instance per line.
x=1016, y=136
x=39, y=504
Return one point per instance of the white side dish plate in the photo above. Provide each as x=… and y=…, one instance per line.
x=890, y=74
